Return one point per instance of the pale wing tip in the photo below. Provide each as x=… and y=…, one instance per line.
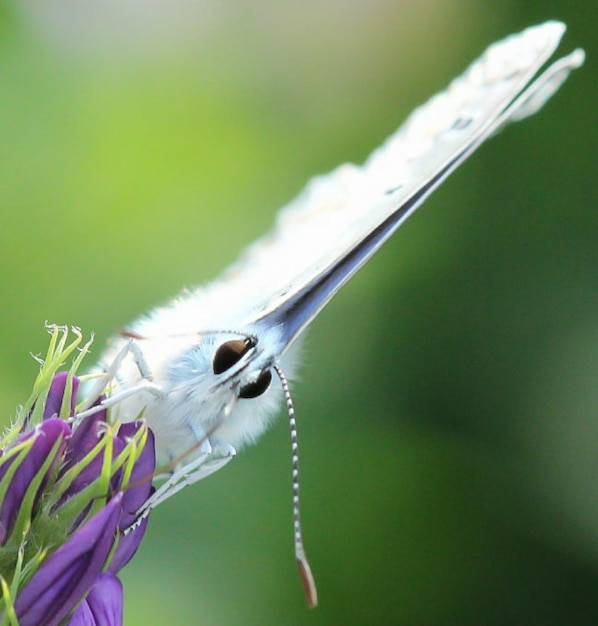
x=548, y=34
x=576, y=58
x=556, y=25
x=552, y=29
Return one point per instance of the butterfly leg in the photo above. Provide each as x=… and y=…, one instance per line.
x=89, y=407
x=212, y=455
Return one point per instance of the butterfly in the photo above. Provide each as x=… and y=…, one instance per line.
x=200, y=369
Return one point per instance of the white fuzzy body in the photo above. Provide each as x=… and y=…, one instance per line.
x=180, y=366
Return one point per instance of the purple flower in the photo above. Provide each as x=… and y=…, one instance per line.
x=69, y=573
x=85, y=485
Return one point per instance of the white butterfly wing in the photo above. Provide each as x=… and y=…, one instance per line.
x=340, y=219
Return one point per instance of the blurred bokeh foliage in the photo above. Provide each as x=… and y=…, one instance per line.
x=447, y=401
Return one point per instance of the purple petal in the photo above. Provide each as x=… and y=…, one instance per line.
x=85, y=437
x=46, y=435
x=140, y=484
x=103, y=606
x=68, y=574
x=118, y=445
x=82, y=616
x=56, y=394
x=127, y=546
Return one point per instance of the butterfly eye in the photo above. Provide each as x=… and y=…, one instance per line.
x=229, y=353
x=260, y=386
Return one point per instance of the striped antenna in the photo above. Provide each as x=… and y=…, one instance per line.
x=309, y=584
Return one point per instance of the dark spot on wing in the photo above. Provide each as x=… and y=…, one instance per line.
x=461, y=123
x=390, y=191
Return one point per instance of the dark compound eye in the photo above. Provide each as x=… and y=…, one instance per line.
x=260, y=386
x=230, y=353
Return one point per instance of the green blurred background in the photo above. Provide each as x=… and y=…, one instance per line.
x=447, y=402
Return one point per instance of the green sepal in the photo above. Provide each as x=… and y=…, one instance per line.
x=9, y=617
x=25, y=514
